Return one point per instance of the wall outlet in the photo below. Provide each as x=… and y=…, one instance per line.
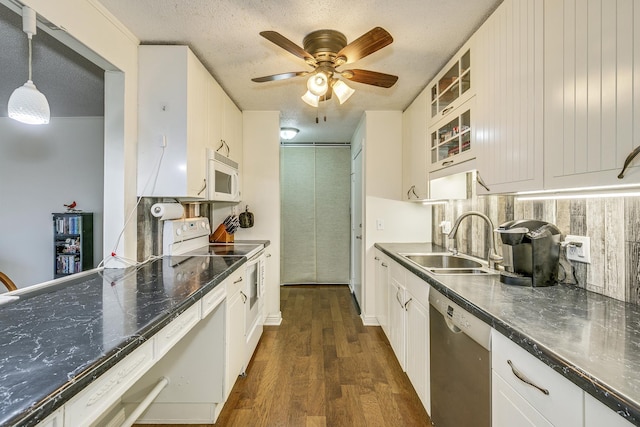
x=379, y=224
x=578, y=248
x=445, y=226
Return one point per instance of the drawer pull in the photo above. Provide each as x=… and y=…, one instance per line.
x=446, y=110
x=384, y=265
x=238, y=281
x=524, y=379
x=448, y=162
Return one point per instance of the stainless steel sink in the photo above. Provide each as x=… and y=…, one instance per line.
x=447, y=263
x=443, y=260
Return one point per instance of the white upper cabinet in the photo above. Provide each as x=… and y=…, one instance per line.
x=452, y=86
x=508, y=79
x=414, y=148
x=172, y=100
x=225, y=125
x=592, y=92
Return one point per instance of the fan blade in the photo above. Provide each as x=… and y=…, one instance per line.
x=289, y=46
x=365, y=45
x=370, y=77
x=281, y=76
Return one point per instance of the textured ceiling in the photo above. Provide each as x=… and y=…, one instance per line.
x=73, y=85
x=224, y=36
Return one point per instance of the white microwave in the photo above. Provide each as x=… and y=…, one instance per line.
x=223, y=178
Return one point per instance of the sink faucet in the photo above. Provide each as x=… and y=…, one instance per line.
x=492, y=258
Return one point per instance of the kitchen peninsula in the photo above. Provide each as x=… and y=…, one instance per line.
x=83, y=341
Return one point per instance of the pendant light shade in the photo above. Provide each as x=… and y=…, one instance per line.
x=318, y=84
x=27, y=104
x=311, y=99
x=342, y=91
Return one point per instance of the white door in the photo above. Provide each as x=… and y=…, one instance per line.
x=356, y=226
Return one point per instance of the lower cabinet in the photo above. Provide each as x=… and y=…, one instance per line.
x=526, y=392
x=417, y=324
x=407, y=310
x=234, y=325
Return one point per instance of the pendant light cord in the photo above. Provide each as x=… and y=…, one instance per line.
x=30, y=53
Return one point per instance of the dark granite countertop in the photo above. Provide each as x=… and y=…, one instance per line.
x=56, y=340
x=591, y=339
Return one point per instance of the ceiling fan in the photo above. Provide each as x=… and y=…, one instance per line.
x=325, y=51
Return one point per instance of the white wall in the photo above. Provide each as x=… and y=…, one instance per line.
x=42, y=168
x=261, y=191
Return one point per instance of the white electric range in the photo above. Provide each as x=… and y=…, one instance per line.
x=187, y=238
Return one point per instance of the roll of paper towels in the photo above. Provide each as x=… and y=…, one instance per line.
x=167, y=210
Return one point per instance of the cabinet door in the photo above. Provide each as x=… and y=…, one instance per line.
x=382, y=291
x=592, y=92
x=414, y=149
x=418, y=349
x=215, y=99
x=397, y=320
x=235, y=340
x=509, y=409
x=452, y=140
x=197, y=82
x=508, y=72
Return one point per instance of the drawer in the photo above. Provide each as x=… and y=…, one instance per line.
x=564, y=404
x=94, y=400
x=211, y=300
x=418, y=288
x=397, y=272
x=235, y=282
x=178, y=328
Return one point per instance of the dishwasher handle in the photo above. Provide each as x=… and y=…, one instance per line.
x=526, y=380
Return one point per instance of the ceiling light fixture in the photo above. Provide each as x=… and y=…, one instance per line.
x=288, y=133
x=27, y=104
x=341, y=90
x=318, y=84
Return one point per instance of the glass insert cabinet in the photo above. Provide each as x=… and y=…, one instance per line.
x=451, y=86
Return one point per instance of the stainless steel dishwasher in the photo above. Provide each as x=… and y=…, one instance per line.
x=460, y=365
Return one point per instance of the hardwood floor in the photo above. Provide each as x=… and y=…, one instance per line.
x=322, y=367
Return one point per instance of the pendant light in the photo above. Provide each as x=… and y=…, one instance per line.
x=27, y=104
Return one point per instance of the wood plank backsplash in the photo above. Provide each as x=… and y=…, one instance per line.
x=613, y=224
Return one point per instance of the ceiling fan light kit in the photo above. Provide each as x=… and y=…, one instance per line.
x=27, y=104
x=326, y=50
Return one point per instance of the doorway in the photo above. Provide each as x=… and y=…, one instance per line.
x=315, y=224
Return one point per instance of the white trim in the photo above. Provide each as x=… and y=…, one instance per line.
x=273, y=319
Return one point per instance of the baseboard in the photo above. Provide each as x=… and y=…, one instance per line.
x=273, y=319
x=370, y=320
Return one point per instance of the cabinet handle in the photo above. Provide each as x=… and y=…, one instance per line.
x=238, y=281
x=204, y=186
x=223, y=143
x=448, y=162
x=398, y=298
x=525, y=380
x=412, y=190
x=446, y=110
x=244, y=297
x=376, y=258
x=359, y=237
x=628, y=160
x=268, y=256
x=481, y=181
x=407, y=303
x=384, y=265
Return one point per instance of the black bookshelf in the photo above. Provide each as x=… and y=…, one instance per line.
x=73, y=243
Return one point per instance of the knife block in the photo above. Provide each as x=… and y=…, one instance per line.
x=221, y=235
